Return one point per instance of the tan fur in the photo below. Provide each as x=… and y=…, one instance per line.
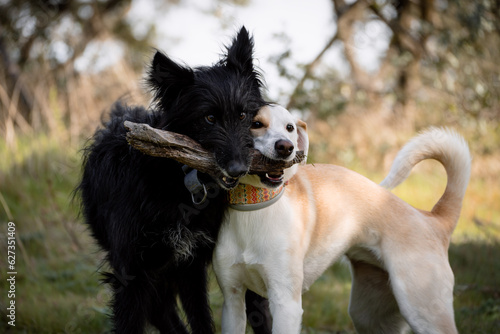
x=264, y=117
x=398, y=254
x=338, y=193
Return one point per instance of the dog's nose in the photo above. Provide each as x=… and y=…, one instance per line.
x=284, y=148
x=236, y=169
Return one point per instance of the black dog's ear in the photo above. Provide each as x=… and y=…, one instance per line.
x=167, y=79
x=240, y=53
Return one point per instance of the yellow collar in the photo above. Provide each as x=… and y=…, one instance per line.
x=249, y=198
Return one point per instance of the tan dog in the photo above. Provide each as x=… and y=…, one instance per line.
x=398, y=254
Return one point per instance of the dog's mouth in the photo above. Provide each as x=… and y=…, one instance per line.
x=272, y=180
x=228, y=182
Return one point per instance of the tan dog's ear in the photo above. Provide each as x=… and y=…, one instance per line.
x=303, y=140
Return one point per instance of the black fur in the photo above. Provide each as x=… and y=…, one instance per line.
x=157, y=242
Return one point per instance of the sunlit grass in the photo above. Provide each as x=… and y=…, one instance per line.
x=56, y=284
x=329, y=315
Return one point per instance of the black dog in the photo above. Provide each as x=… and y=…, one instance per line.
x=158, y=243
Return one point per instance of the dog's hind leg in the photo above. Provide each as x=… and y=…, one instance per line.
x=372, y=307
x=423, y=288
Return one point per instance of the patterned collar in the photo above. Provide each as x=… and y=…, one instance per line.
x=249, y=198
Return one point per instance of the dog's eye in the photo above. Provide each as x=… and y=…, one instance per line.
x=243, y=116
x=210, y=119
x=257, y=125
x=290, y=127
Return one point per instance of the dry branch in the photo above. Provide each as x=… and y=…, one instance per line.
x=166, y=144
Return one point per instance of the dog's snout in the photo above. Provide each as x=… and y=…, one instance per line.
x=284, y=148
x=236, y=169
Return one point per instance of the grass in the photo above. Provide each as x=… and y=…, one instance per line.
x=57, y=289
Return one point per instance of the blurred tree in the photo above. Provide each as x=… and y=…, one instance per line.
x=434, y=49
x=449, y=48
x=48, y=36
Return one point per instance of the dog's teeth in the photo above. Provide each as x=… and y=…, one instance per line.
x=228, y=179
x=273, y=177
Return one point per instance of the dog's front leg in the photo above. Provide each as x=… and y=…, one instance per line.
x=233, y=311
x=193, y=292
x=285, y=302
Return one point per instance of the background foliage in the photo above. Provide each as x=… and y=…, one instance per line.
x=440, y=67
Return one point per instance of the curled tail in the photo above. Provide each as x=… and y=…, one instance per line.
x=452, y=151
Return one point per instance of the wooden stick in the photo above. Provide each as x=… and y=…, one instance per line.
x=166, y=144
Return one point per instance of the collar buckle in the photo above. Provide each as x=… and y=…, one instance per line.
x=197, y=189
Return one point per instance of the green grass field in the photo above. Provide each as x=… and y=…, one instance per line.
x=57, y=288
